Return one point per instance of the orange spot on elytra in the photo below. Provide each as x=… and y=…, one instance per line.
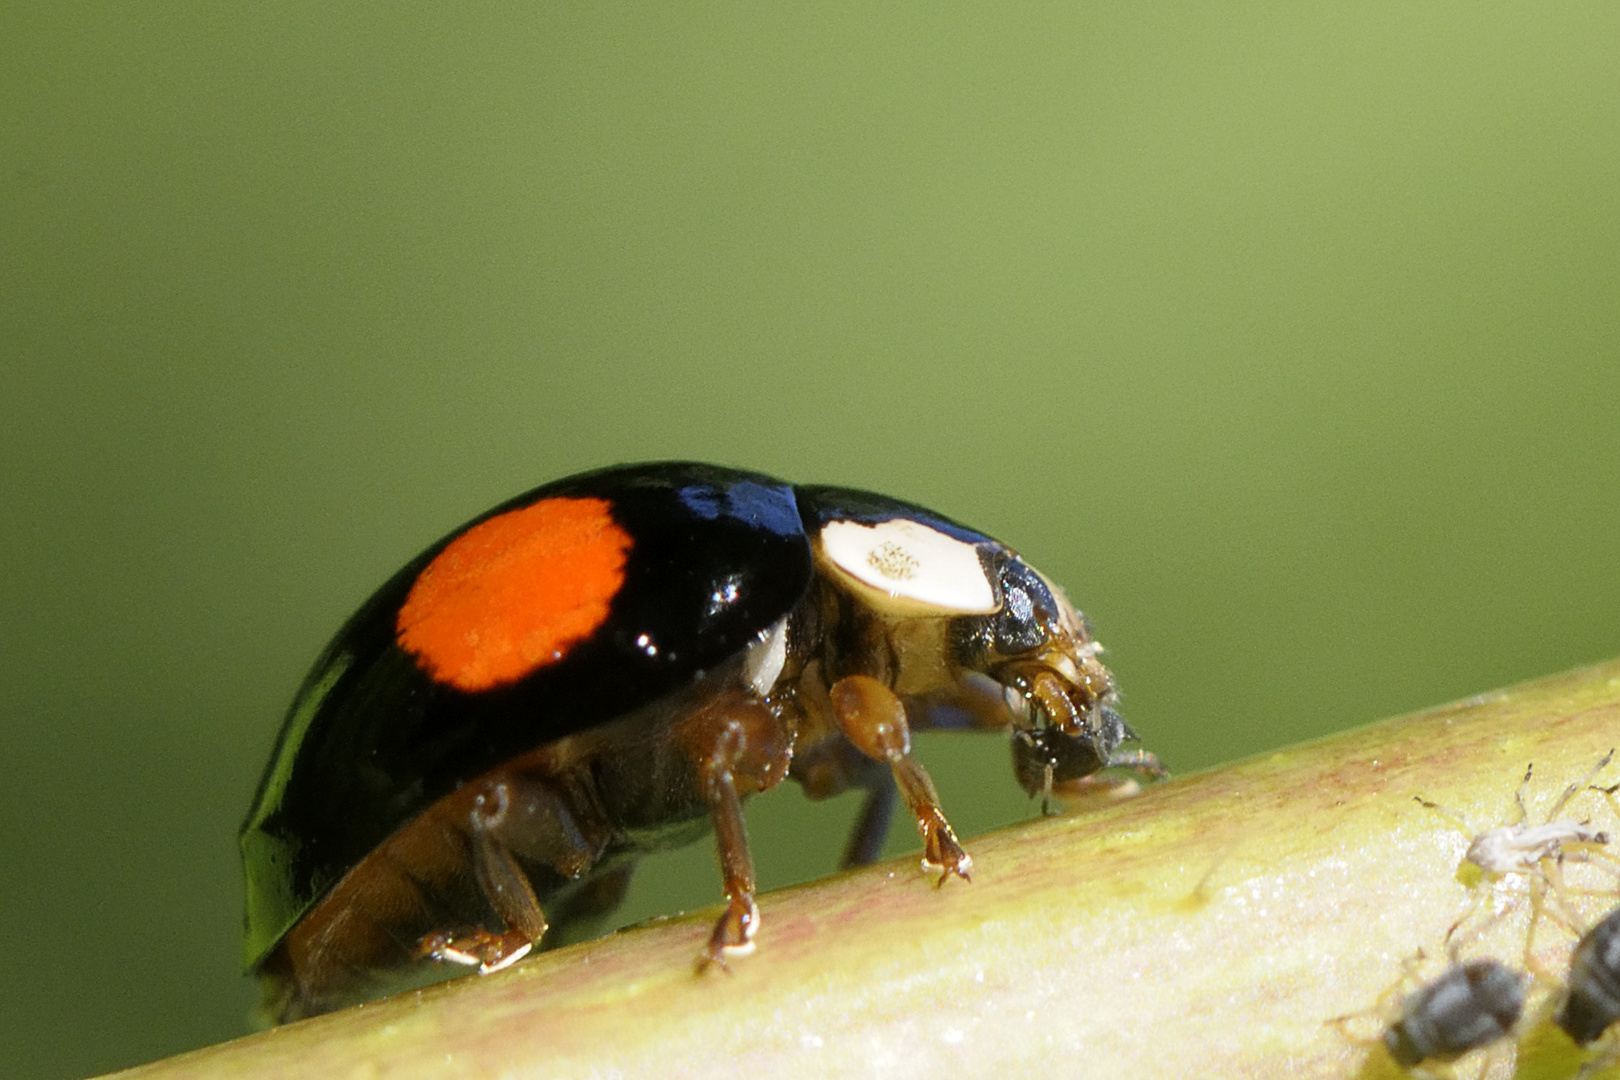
x=514, y=593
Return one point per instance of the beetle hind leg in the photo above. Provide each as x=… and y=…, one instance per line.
x=485, y=950
x=504, y=884
x=874, y=719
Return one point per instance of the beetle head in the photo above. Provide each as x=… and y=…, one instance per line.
x=1039, y=649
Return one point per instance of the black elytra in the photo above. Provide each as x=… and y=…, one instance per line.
x=599, y=614
x=371, y=739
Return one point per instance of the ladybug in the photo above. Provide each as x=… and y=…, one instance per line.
x=608, y=665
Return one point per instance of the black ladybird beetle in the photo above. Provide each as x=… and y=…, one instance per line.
x=608, y=665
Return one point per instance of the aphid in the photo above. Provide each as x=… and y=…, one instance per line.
x=609, y=665
x=1534, y=851
x=1519, y=847
x=1469, y=1006
x=1592, y=1002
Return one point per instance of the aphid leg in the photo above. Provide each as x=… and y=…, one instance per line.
x=874, y=720
x=1450, y=815
x=739, y=747
x=1558, y=893
x=1609, y=794
x=1518, y=796
x=1579, y=785
x=1546, y=890
x=1384, y=1007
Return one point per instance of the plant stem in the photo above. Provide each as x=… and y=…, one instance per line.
x=1209, y=927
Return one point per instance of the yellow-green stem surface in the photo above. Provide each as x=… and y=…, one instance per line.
x=1212, y=926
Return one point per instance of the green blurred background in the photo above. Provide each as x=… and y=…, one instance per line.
x=1289, y=341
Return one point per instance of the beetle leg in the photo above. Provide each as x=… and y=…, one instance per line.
x=871, y=828
x=504, y=885
x=739, y=747
x=830, y=765
x=734, y=932
x=874, y=719
x=475, y=947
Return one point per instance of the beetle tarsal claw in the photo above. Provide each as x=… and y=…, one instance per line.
x=942, y=852
x=490, y=967
x=733, y=936
x=481, y=949
x=962, y=869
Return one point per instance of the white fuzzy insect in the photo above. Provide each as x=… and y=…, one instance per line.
x=1519, y=847
x=1536, y=852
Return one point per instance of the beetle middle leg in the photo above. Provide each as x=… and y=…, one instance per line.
x=739, y=747
x=874, y=719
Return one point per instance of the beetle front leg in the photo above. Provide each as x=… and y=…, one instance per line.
x=874, y=719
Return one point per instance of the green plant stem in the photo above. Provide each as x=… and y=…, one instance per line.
x=1209, y=927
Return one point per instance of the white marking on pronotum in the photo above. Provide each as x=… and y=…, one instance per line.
x=763, y=663
x=911, y=564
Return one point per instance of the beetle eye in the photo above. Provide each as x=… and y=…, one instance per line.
x=1027, y=612
x=1019, y=605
